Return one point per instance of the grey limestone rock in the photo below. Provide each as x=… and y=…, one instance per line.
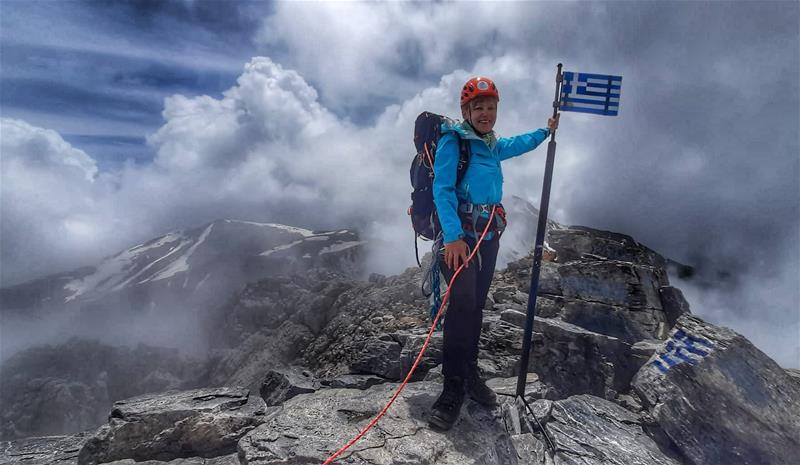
x=574, y=360
x=284, y=383
x=230, y=459
x=311, y=427
x=630, y=324
x=514, y=317
x=49, y=450
x=196, y=423
x=674, y=304
x=412, y=342
x=613, y=283
x=504, y=294
x=584, y=430
x=720, y=399
x=794, y=373
x=519, y=275
x=256, y=354
x=534, y=389
x=63, y=450
x=353, y=381
x=591, y=431
x=644, y=349
x=577, y=242
x=379, y=357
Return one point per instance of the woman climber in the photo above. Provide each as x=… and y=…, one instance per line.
x=463, y=210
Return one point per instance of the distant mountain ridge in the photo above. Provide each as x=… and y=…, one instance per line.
x=184, y=259
x=177, y=277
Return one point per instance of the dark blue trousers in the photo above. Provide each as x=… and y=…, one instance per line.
x=464, y=318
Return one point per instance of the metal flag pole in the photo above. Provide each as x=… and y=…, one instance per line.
x=537, y=253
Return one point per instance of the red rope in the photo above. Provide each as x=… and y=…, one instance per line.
x=421, y=352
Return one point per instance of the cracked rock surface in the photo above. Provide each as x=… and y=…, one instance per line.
x=49, y=450
x=201, y=422
x=310, y=427
x=593, y=431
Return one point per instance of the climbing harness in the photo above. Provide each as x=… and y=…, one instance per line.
x=439, y=314
x=472, y=216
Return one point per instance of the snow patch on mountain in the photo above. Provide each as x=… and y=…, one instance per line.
x=181, y=264
x=280, y=247
x=292, y=229
x=339, y=247
x=165, y=257
x=170, y=237
x=150, y=265
x=113, y=267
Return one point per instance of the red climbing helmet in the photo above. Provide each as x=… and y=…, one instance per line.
x=478, y=87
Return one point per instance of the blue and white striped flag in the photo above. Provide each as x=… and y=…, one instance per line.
x=590, y=93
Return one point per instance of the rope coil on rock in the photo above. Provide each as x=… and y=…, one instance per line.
x=421, y=352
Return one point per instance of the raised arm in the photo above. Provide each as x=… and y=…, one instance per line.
x=509, y=147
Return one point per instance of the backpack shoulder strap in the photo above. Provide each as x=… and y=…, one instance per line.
x=463, y=157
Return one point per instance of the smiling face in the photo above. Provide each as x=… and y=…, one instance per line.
x=481, y=112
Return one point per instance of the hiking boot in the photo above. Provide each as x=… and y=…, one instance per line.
x=477, y=388
x=448, y=406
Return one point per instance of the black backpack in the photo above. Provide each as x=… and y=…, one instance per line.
x=427, y=130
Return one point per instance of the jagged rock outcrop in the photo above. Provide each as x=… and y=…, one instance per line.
x=381, y=314
x=720, y=399
x=268, y=324
x=584, y=430
x=609, y=305
x=574, y=360
x=578, y=242
x=283, y=384
x=197, y=423
x=48, y=450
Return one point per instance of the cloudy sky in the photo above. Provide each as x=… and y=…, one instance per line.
x=123, y=120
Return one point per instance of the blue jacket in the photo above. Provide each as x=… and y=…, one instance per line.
x=483, y=181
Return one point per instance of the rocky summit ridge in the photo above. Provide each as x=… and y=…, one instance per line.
x=621, y=372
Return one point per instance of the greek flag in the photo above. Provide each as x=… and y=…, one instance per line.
x=590, y=93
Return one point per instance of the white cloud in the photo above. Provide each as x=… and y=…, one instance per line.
x=43, y=151
x=48, y=194
x=357, y=53
x=763, y=308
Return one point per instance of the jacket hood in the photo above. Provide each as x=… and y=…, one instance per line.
x=466, y=131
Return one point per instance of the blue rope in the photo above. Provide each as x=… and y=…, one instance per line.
x=436, y=295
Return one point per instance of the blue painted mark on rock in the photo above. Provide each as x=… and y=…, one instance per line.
x=595, y=288
x=682, y=348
